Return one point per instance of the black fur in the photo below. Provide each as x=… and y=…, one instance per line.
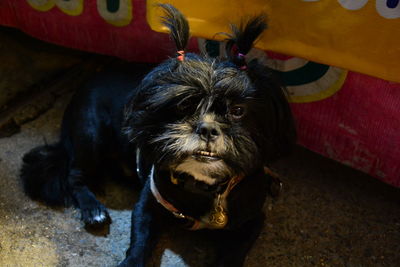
x=173, y=114
x=44, y=179
x=242, y=38
x=178, y=25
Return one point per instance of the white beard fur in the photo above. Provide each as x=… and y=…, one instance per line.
x=203, y=171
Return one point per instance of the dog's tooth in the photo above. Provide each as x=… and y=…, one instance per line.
x=206, y=153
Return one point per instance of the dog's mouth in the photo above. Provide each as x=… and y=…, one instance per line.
x=205, y=156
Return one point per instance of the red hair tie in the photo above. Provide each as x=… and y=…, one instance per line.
x=181, y=55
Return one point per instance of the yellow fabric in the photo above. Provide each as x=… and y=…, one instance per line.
x=362, y=36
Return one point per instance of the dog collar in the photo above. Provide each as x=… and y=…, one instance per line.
x=216, y=219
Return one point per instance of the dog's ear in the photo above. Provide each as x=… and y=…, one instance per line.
x=277, y=123
x=178, y=25
x=242, y=38
x=277, y=130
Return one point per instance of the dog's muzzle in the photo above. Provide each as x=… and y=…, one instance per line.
x=208, y=131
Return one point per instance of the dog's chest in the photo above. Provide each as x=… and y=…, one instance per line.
x=236, y=202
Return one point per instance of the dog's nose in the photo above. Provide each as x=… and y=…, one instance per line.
x=208, y=131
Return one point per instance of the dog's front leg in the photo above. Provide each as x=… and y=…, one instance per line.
x=92, y=211
x=233, y=245
x=144, y=229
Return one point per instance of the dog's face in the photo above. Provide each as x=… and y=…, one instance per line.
x=209, y=119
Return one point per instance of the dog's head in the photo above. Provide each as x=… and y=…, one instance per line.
x=212, y=119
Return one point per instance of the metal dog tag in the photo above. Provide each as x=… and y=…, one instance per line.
x=218, y=217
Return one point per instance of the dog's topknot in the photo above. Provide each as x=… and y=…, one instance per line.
x=178, y=25
x=242, y=38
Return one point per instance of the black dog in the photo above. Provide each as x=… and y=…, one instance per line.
x=199, y=132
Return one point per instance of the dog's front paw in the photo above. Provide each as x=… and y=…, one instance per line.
x=95, y=214
x=124, y=263
x=130, y=262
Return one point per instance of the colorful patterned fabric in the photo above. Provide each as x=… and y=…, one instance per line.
x=109, y=27
x=359, y=35
x=350, y=117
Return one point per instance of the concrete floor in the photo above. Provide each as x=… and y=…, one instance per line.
x=328, y=215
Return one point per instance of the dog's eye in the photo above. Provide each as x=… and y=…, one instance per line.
x=237, y=112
